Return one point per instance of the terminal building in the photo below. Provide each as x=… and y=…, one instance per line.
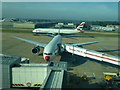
x=17, y=72
x=62, y=25
x=106, y=28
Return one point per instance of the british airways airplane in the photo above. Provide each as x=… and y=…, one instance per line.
x=62, y=31
x=55, y=47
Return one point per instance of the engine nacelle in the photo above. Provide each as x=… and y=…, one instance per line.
x=35, y=49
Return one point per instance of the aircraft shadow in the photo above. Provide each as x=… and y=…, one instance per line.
x=76, y=81
x=72, y=60
x=108, y=50
x=105, y=63
x=40, y=54
x=84, y=36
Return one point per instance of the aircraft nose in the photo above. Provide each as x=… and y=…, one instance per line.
x=34, y=30
x=47, y=58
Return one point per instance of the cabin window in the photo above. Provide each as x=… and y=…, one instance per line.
x=48, y=53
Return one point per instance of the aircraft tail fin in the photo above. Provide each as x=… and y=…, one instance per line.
x=80, y=27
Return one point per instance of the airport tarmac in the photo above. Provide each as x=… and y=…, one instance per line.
x=77, y=65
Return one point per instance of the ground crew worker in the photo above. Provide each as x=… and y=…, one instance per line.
x=108, y=80
x=84, y=77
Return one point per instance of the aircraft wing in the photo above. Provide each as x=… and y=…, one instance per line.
x=88, y=43
x=30, y=41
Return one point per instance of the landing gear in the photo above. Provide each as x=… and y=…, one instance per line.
x=35, y=34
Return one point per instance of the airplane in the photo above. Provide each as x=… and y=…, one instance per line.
x=56, y=47
x=53, y=48
x=62, y=31
x=2, y=20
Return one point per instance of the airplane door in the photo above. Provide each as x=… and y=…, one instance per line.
x=59, y=48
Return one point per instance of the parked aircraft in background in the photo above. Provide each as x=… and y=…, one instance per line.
x=62, y=31
x=55, y=47
x=2, y=20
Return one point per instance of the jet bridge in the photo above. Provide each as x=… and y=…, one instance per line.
x=17, y=73
x=56, y=77
x=49, y=75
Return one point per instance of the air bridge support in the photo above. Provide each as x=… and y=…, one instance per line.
x=56, y=77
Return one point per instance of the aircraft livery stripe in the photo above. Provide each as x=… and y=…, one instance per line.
x=102, y=57
x=97, y=56
x=79, y=30
x=81, y=24
x=38, y=30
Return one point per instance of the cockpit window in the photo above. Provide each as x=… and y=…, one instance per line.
x=48, y=53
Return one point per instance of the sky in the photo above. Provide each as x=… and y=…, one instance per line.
x=87, y=11
x=60, y=0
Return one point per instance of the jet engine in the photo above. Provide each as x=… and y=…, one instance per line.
x=35, y=49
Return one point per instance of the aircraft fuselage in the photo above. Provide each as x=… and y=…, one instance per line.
x=52, y=48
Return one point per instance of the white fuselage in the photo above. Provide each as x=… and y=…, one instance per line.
x=54, y=31
x=52, y=48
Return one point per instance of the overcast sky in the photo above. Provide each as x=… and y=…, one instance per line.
x=90, y=11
